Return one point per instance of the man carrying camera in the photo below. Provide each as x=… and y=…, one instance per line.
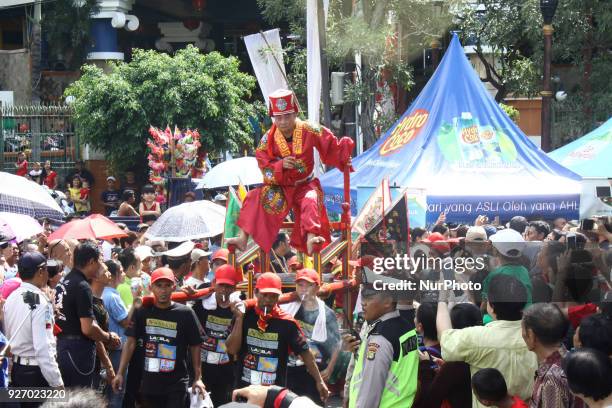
x=33, y=347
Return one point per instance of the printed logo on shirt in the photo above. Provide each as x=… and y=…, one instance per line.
x=262, y=335
x=268, y=378
x=166, y=351
x=48, y=318
x=166, y=366
x=159, y=339
x=150, y=349
x=260, y=351
x=160, y=331
x=267, y=364
x=209, y=343
x=250, y=361
x=152, y=365
x=261, y=343
x=372, y=349
x=221, y=348
x=219, y=320
x=161, y=323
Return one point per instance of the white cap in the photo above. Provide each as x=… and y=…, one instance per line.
x=180, y=251
x=143, y=252
x=220, y=197
x=475, y=233
x=111, y=178
x=508, y=242
x=198, y=253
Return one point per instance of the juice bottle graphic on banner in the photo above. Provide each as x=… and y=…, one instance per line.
x=490, y=144
x=467, y=132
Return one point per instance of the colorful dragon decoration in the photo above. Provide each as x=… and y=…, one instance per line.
x=187, y=159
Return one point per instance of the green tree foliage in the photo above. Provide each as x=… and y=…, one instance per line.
x=66, y=24
x=114, y=110
x=581, y=53
x=511, y=111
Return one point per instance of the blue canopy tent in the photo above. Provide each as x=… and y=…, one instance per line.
x=590, y=157
x=457, y=145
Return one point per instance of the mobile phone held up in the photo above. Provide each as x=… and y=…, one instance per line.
x=587, y=224
x=570, y=240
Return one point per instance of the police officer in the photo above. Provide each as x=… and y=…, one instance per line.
x=179, y=260
x=385, y=373
x=33, y=347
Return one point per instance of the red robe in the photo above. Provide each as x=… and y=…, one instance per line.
x=265, y=208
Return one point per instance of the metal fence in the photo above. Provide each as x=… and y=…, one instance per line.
x=42, y=132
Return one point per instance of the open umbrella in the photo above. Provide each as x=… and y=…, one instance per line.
x=95, y=226
x=232, y=172
x=20, y=226
x=19, y=195
x=194, y=220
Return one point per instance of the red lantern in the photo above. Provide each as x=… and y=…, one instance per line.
x=191, y=23
x=23, y=127
x=198, y=5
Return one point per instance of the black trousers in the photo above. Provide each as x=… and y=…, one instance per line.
x=27, y=376
x=77, y=361
x=172, y=399
x=302, y=383
x=219, y=381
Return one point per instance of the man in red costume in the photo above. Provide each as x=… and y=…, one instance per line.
x=286, y=158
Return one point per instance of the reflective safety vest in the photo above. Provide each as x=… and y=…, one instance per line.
x=401, y=384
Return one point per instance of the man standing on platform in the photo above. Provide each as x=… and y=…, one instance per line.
x=286, y=158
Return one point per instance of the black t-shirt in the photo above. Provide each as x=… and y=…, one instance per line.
x=217, y=325
x=263, y=355
x=111, y=197
x=166, y=335
x=73, y=300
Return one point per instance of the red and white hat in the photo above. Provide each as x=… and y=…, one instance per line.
x=282, y=102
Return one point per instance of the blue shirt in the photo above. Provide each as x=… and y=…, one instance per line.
x=3, y=364
x=116, y=311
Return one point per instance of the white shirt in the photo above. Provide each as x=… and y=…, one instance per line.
x=35, y=339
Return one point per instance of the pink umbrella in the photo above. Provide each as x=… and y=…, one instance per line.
x=20, y=226
x=95, y=226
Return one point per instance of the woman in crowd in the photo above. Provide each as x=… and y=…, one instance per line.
x=50, y=176
x=126, y=208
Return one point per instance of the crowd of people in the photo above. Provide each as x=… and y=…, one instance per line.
x=487, y=314
x=75, y=317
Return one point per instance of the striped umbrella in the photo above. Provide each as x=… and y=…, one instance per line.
x=19, y=195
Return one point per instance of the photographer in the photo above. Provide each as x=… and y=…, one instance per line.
x=33, y=347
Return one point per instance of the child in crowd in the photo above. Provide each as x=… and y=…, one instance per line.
x=491, y=391
x=160, y=195
x=85, y=190
x=111, y=197
x=81, y=205
x=22, y=165
x=37, y=174
x=148, y=205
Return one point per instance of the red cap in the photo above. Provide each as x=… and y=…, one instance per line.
x=220, y=254
x=269, y=283
x=439, y=243
x=282, y=102
x=225, y=274
x=162, y=273
x=308, y=275
x=293, y=261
